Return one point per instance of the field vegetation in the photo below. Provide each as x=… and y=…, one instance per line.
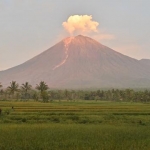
x=85, y=125
x=82, y=112
x=42, y=119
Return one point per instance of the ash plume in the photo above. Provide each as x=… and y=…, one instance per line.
x=80, y=24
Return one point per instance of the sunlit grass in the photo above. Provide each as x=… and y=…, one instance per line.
x=79, y=125
x=73, y=137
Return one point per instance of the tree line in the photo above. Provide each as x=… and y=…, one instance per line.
x=42, y=93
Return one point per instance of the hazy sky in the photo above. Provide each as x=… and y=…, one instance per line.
x=28, y=27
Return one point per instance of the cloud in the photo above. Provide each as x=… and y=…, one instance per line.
x=80, y=24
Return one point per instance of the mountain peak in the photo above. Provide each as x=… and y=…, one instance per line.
x=80, y=40
x=79, y=37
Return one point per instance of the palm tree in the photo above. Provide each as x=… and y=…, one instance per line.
x=1, y=85
x=26, y=87
x=14, y=87
x=1, y=91
x=42, y=86
x=66, y=94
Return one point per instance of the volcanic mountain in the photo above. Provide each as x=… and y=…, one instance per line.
x=80, y=62
x=145, y=61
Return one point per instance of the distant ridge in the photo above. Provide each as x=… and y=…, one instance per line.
x=81, y=62
x=145, y=61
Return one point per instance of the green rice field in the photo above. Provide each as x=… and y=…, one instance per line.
x=74, y=125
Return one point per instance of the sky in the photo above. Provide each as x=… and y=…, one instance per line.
x=29, y=27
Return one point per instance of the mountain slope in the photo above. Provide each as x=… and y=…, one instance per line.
x=145, y=61
x=80, y=62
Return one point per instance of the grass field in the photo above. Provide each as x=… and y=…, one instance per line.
x=81, y=125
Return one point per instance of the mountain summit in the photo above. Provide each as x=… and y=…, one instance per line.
x=80, y=62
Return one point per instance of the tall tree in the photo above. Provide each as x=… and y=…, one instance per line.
x=35, y=96
x=1, y=85
x=42, y=86
x=14, y=87
x=25, y=88
x=66, y=94
x=1, y=91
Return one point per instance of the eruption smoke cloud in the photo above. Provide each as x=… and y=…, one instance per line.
x=80, y=24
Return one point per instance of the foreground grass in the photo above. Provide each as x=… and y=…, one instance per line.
x=80, y=125
x=73, y=137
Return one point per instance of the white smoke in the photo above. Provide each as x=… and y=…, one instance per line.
x=80, y=24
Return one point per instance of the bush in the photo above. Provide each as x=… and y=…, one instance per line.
x=74, y=117
x=24, y=120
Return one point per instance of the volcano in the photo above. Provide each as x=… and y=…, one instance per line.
x=80, y=62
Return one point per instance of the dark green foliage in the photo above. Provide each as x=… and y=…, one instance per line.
x=1, y=85
x=45, y=96
x=14, y=87
x=35, y=96
x=26, y=87
x=24, y=120
x=42, y=86
x=26, y=93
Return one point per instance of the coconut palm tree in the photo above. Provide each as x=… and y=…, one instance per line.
x=42, y=86
x=25, y=88
x=14, y=87
x=1, y=91
x=1, y=85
